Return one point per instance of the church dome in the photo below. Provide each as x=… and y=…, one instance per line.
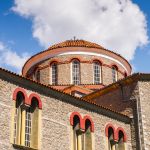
x=89, y=55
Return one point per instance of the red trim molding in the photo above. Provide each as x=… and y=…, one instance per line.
x=27, y=100
x=116, y=132
x=80, y=118
x=112, y=127
x=16, y=91
x=33, y=95
x=119, y=129
x=82, y=121
x=89, y=119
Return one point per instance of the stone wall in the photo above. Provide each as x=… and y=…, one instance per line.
x=144, y=107
x=86, y=69
x=57, y=108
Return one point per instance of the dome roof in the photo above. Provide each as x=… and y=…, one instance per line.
x=75, y=43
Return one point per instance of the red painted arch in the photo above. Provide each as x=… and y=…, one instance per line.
x=97, y=60
x=80, y=118
x=84, y=122
x=34, y=95
x=114, y=130
x=117, y=134
x=17, y=90
x=75, y=58
x=114, y=65
x=54, y=61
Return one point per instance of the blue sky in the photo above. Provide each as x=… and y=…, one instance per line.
x=21, y=32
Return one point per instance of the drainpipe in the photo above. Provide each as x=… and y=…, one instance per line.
x=138, y=121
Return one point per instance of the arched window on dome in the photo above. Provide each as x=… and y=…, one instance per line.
x=75, y=72
x=97, y=72
x=37, y=75
x=54, y=73
x=114, y=74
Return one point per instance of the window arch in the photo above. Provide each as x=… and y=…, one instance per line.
x=116, y=137
x=77, y=133
x=114, y=73
x=97, y=72
x=54, y=73
x=26, y=119
x=111, y=141
x=82, y=131
x=18, y=114
x=75, y=71
x=88, y=135
x=121, y=138
x=121, y=144
x=37, y=74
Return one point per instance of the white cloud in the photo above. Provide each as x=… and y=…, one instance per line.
x=10, y=59
x=119, y=25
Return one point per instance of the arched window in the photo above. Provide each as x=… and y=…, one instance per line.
x=121, y=144
x=97, y=72
x=121, y=139
x=54, y=73
x=38, y=75
x=26, y=120
x=82, y=132
x=114, y=73
x=18, y=123
x=33, y=123
x=87, y=136
x=77, y=133
x=111, y=142
x=75, y=72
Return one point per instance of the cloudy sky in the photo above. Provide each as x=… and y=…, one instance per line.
x=29, y=26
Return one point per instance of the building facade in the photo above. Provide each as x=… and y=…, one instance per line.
x=76, y=95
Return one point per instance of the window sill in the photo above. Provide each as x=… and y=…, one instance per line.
x=24, y=147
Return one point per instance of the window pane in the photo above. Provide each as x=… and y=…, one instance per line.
x=54, y=74
x=28, y=128
x=97, y=72
x=76, y=72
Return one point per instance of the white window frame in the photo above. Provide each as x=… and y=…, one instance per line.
x=51, y=74
x=79, y=75
x=114, y=74
x=28, y=123
x=100, y=72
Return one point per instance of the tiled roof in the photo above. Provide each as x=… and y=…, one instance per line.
x=75, y=43
x=77, y=98
x=110, y=87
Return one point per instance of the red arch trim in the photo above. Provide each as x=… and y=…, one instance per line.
x=114, y=130
x=26, y=101
x=114, y=65
x=75, y=58
x=97, y=60
x=122, y=130
x=88, y=118
x=80, y=118
x=34, y=95
x=54, y=61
